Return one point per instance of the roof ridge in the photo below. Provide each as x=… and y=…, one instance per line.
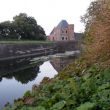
x=63, y=24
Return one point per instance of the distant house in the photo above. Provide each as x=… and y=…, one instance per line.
x=62, y=32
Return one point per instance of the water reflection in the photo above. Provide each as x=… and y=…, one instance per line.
x=21, y=71
x=11, y=87
x=61, y=62
x=20, y=76
x=24, y=76
x=24, y=72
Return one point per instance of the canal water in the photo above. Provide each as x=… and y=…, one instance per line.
x=19, y=76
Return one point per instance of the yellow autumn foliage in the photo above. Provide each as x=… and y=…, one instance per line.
x=98, y=32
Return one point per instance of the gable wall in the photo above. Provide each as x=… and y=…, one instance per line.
x=62, y=34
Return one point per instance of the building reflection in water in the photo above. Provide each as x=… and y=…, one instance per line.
x=61, y=62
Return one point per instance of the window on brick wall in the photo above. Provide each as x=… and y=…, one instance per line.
x=62, y=38
x=53, y=38
x=62, y=31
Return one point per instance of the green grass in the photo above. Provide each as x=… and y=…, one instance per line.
x=23, y=42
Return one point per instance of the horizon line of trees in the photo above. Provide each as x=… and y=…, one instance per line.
x=22, y=27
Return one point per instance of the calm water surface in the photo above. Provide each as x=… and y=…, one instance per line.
x=14, y=85
x=18, y=77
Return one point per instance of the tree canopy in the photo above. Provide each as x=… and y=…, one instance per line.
x=22, y=27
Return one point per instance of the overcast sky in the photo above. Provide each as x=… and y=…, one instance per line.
x=48, y=13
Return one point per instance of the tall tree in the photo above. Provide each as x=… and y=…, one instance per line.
x=97, y=20
x=22, y=27
x=27, y=27
x=7, y=30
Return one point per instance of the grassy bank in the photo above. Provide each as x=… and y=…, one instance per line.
x=23, y=42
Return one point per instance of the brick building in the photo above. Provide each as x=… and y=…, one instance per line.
x=62, y=32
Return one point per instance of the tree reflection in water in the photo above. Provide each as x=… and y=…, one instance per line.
x=22, y=71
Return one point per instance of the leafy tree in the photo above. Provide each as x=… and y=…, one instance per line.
x=22, y=27
x=27, y=27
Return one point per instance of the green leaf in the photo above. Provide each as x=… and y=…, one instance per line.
x=58, y=106
x=104, y=86
x=39, y=108
x=33, y=108
x=86, y=106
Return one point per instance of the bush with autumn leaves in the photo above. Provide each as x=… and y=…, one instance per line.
x=97, y=40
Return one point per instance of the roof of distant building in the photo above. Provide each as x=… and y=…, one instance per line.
x=52, y=31
x=63, y=24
